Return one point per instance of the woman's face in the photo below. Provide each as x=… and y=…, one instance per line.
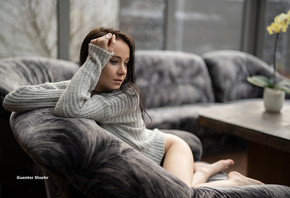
x=115, y=71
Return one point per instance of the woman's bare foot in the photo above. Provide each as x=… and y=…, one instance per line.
x=242, y=180
x=203, y=171
x=212, y=169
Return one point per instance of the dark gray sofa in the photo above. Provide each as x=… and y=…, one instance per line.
x=176, y=85
x=83, y=160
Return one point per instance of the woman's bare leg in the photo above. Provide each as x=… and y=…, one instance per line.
x=178, y=158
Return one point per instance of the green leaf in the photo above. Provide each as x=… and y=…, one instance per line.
x=260, y=81
x=285, y=82
x=284, y=85
x=283, y=88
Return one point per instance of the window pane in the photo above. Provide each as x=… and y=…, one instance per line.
x=86, y=15
x=28, y=27
x=144, y=21
x=275, y=7
x=205, y=25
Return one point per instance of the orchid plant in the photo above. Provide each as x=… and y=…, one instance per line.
x=279, y=25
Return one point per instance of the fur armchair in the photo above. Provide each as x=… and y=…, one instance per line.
x=15, y=164
x=80, y=159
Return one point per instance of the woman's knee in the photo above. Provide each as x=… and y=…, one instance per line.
x=175, y=141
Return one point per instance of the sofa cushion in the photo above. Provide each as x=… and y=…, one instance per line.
x=15, y=72
x=229, y=71
x=168, y=78
x=184, y=117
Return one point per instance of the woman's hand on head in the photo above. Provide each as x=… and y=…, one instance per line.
x=106, y=42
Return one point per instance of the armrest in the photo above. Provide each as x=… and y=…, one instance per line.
x=78, y=154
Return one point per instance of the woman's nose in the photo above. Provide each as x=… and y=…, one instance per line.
x=122, y=69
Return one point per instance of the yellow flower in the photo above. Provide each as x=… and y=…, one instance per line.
x=282, y=18
x=277, y=28
x=280, y=23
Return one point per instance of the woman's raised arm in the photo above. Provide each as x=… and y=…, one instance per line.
x=76, y=101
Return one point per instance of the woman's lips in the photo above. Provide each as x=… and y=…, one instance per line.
x=118, y=81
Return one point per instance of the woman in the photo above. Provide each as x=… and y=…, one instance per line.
x=103, y=89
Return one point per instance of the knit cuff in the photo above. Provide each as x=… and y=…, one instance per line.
x=99, y=54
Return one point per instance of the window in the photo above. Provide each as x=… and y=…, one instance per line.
x=275, y=7
x=205, y=25
x=29, y=27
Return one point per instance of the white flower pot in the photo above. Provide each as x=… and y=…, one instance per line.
x=273, y=99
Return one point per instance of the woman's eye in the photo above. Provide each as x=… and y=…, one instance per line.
x=113, y=62
x=126, y=64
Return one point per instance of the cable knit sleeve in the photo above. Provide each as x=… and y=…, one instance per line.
x=32, y=97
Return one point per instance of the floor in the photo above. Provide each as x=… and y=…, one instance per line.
x=240, y=159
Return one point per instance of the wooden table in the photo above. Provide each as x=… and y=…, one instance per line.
x=268, y=135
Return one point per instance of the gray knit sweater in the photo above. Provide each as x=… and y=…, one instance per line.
x=117, y=112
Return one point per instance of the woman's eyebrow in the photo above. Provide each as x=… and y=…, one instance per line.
x=115, y=56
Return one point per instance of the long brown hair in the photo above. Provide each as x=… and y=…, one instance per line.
x=130, y=77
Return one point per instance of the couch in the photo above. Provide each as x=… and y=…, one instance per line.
x=82, y=160
x=176, y=85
